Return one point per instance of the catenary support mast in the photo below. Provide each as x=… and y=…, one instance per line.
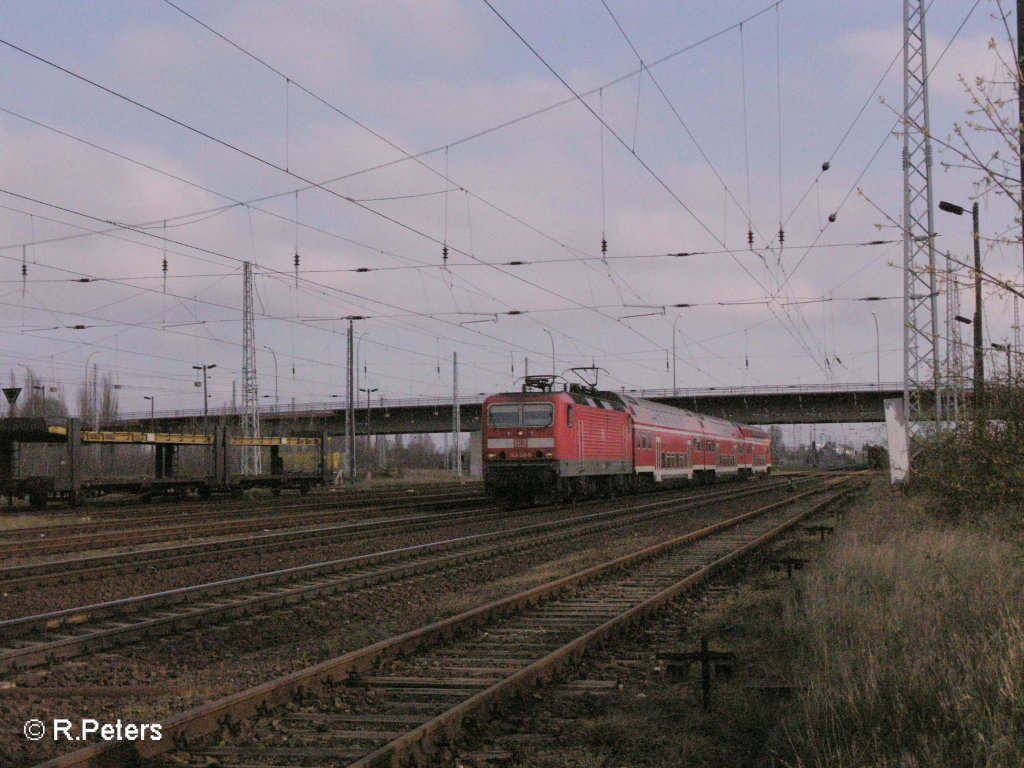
x=921, y=365
x=250, y=386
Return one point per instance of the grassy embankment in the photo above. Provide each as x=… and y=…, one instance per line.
x=910, y=638
x=904, y=639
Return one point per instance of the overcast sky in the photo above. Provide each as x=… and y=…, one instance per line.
x=130, y=131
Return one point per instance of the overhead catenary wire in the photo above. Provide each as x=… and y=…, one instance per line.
x=881, y=144
x=408, y=156
x=382, y=262
x=661, y=182
x=269, y=272
x=415, y=157
x=271, y=164
x=746, y=135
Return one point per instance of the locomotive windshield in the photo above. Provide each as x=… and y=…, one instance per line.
x=527, y=415
x=503, y=415
x=538, y=415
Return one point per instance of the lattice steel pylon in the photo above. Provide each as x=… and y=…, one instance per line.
x=921, y=365
x=250, y=387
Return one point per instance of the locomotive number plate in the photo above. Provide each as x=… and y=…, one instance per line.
x=519, y=442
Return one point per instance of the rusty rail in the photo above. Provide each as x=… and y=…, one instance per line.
x=210, y=717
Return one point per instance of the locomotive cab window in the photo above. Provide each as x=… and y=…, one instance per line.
x=503, y=416
x=538, y=415
x=568, y=416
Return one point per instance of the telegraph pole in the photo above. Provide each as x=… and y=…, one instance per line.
x=206, y=397
x=456, y=424
x=350, y=413
x=1020, y=108
x=369, y=441
x=979, y=351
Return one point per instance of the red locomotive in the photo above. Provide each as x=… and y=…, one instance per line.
x=582, y=442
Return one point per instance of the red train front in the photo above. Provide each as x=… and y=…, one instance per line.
x=556, y=443
x=582, y=442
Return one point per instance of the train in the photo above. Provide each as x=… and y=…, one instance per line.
x=543, y=444
x=62, y=475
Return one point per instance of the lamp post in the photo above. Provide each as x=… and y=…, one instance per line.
x=92, y=392
x=674, y=353
x=359, y=344
x=552, y=338
x=369, y=446
x=152, y=406
x=277, y=400
x=979, y=352
x=1005, y=348
x=878, y=354
x=206, y=398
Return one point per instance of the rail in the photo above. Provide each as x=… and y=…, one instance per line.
x=534, y=632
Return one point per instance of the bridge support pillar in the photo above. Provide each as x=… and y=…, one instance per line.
x=7, y=453
x=75, y=461
x=325, y=458
x=476, y=453
x=221, y=464
x=166, y=457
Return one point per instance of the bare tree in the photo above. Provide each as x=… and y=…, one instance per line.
x=97, y=398
x=37, y=400
x=988, y=143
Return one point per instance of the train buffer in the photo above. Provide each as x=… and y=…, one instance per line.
x=713, y=665
x=790, y=564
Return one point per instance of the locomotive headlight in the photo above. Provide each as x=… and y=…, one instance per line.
x=490, y=455
x=550, y=454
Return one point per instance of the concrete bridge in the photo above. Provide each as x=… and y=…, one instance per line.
x=782, y=404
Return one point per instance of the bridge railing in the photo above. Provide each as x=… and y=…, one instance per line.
x=768, y=389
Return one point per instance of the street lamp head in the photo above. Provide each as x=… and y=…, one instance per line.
x=212, y=365
x=951, y=208
x=146, y=397
x=962, y=319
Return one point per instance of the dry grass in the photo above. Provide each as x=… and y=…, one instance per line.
x=907, y=631
x=911, y=640
x=14, y=520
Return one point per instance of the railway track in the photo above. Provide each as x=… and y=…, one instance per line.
x=133, y=509
x=49, y=540
x=69, y=570
x=39, y=639
x=399, y=699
